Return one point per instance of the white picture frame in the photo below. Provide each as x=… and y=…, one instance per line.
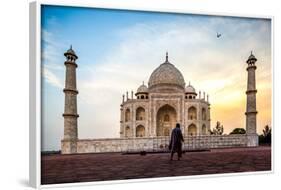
x=35, y=88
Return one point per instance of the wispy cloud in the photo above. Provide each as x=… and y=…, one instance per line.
x=219, y=72
x=216, y=66
x=52, y=59
x=51, y=78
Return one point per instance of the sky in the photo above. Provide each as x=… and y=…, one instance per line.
x=118, y=49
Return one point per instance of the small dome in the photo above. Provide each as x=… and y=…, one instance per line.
x=166, y=73
x=70, y=51
x=251, y=58
x=190, y=89
x=142, y=89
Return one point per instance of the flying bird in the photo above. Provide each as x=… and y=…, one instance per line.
x=218, y=35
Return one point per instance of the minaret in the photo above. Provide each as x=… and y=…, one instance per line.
x=251, y=111
x=69, y=142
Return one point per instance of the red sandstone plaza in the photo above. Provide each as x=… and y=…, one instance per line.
x=116, y=166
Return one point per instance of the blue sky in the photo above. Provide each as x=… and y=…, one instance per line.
x=118, y=49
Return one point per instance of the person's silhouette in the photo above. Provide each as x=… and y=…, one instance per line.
x=176, y=142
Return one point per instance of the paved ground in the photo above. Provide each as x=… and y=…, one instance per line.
x=114, y=166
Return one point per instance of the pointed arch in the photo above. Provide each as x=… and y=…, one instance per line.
x=192, y=130
x=127, y=115
x=128, y=131
x=140, y=131
x=140, y=113
x=165, y=120
x=192, y=113
x=204, y=114
x=204, y=129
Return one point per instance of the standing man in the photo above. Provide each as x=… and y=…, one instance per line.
x=176, y=142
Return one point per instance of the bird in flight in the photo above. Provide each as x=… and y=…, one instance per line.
x=218, y=35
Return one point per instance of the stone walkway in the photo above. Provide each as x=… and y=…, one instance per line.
x=115, y=166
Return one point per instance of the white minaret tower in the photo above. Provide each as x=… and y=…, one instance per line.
x=69, y=142
x=251, y=111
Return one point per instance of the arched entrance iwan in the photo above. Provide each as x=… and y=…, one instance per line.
x=165, y=120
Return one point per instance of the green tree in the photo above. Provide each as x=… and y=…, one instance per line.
x=266, y=131
x=238, y=131
x=218, y=130
x=265, y=138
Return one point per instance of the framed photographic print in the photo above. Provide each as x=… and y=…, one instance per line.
x=122, y=94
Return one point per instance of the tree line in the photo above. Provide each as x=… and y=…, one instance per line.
x=264, y=138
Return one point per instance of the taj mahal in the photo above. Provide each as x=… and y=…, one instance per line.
x=148, y=116
x=163, y=103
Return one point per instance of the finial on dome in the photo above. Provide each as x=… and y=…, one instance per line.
x=167, y=56
x=189, y=83
x=71, y=46
x=142, y=82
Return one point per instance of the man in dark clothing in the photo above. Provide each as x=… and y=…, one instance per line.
x=176, y=141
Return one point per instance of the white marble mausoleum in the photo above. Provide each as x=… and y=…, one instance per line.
x=155, y=109
x=149, y=115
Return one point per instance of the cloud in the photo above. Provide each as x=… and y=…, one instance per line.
x=194, y=50
x=216, y=66
x=51, y=78
x=52, y=59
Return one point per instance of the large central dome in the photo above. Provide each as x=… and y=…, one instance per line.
x=167, y=74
